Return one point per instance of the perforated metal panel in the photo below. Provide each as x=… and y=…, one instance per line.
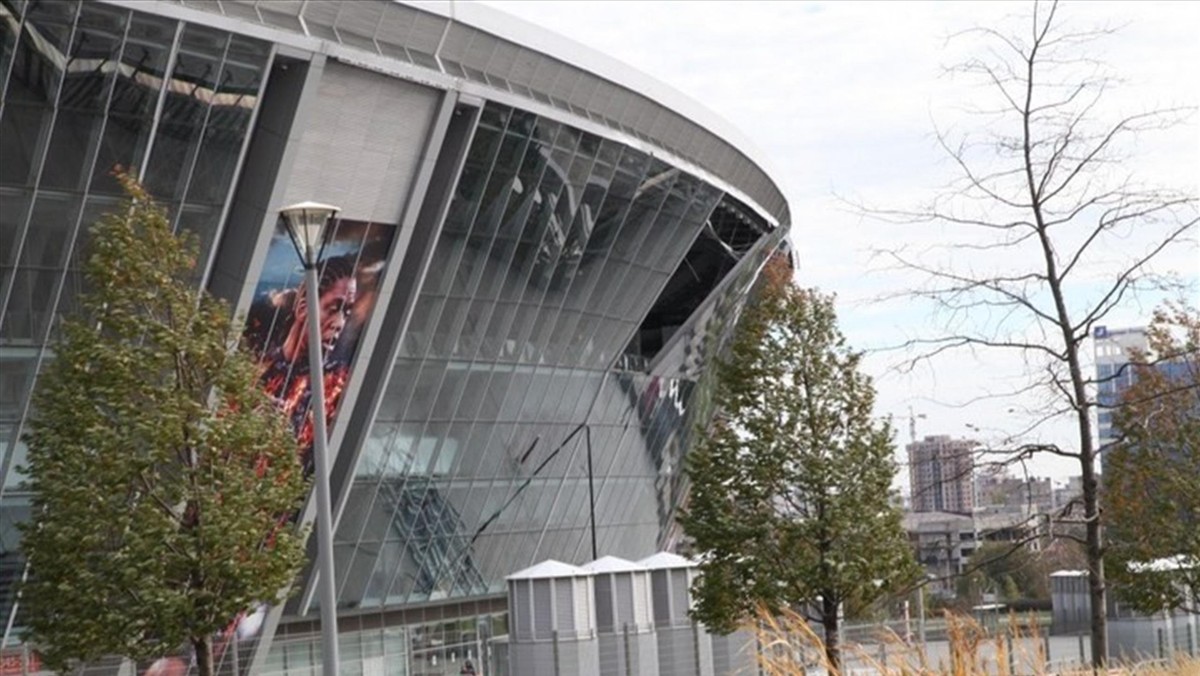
x=624, y=598
x=585, y=604
x=543, y=609
x=520, y=608
x=605, y=614
x=564, y=598
x=641, y=599
x=661, y=596
x=681, y=595
x=362, y=145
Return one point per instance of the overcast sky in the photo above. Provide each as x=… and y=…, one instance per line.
x=842, y=98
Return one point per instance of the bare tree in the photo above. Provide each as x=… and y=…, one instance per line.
x=1046, y=231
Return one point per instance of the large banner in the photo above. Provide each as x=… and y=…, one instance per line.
x=277, y=329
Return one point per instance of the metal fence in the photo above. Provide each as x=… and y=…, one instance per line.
x=1007, y=647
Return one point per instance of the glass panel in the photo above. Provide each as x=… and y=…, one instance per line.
x=376, y=452
x=233, y=102
x=30, y=303
x=653, y=190
x=613, y=214
x=667, y=229
x=444, y=265
x=484, y=145
x=90, y=72
x=501, y=188
x=94, y=208
x=444, y=342
x=515, y=346
x=704, y=200
x=50, y=229
x=17, y=368
x=424, y=391
x=420, y=328
x=450, y=392
x=637, y=291
x=494, y=116
x=8, y=39
x=13, y=510
x=533, y=395
x=474, y=392
x=200, y=220
x=33, y=87
x=519, y=218
x=42, y=52
x=510, y=404
x=22, y=130
x=134, y=98
x=470, y=454
x=197, y=71
x=14, y=205
x=594, y=192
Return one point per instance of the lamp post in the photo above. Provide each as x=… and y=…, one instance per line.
x=587, y=432
x=306, y=225
x=921, y=610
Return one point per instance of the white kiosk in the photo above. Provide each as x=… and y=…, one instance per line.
x=624, y=617
x=552, y=630
x=684, y=646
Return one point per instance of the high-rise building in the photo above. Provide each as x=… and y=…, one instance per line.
x=941, y=474
x=1114, y=353
x=547, y=249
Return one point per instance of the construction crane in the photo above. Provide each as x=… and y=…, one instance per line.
x=912, y=424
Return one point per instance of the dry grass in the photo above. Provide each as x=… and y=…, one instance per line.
x=792, y=648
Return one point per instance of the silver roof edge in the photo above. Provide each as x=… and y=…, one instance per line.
x=518, y=30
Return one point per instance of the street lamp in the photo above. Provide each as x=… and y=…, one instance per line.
x=306, y=224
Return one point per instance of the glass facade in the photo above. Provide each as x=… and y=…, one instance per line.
x=88, y=87
x=554, y=366
x=526, y=367
x=555, y=246
x=415, y=649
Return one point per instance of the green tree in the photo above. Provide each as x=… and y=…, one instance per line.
x=160, y=470
x=1013, y=569
x=790, y=489
x=1011, y=591
x=1152, y=492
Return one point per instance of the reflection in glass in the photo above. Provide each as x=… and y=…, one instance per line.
x=84, y=81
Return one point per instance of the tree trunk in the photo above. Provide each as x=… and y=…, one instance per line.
x=1078, y=395
x=833, y=647
x=1088, y=455
x=204, y=655
x=1095, y=562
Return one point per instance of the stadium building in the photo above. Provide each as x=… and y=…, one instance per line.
x=539, y=252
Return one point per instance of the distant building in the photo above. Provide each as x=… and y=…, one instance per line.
x=941, y=474
x=942, y=542
x=998, y=492
x=1114, y=352
x=1064, y=494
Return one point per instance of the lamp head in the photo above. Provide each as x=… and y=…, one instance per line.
x=307, y=223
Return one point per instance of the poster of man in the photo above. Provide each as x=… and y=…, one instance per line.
x=276, y=325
